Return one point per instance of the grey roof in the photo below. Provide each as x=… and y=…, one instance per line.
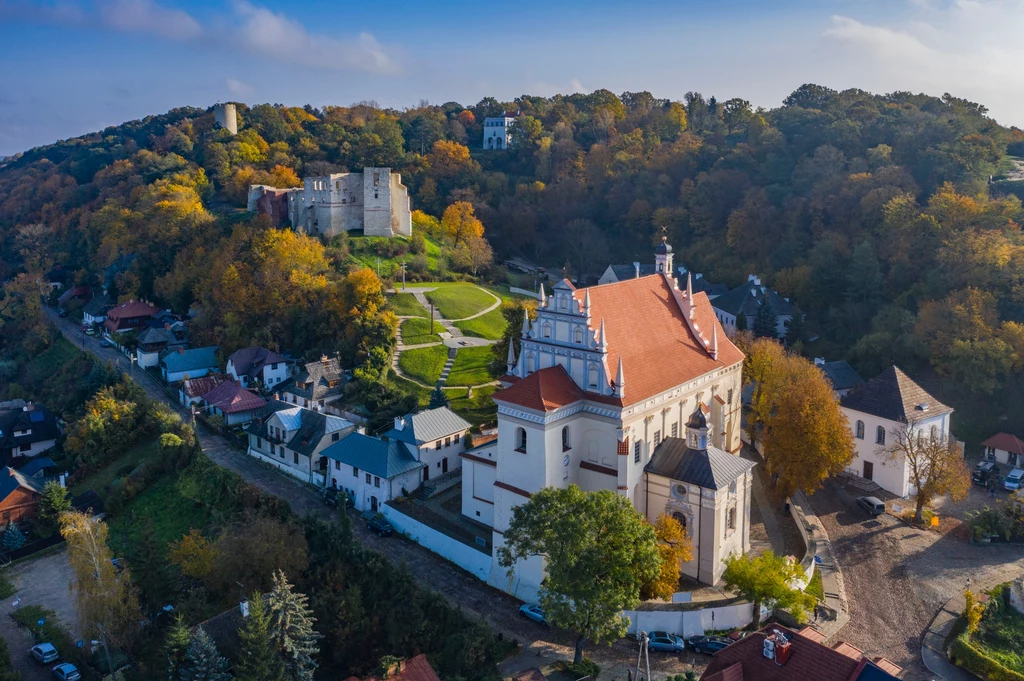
x=382, y=458
x=702, y=285
x=428, y=426
x=841, y=374
x=40, y=420
x=748, y=298
x=99, y=305
x=894, y=396
x=319, y=375
x=712, y=468
x=11, y=480
x=36, y=465
x=250, y=361
x=312, y=426
x=170, y=334
x=177, y=360
x=623, y=272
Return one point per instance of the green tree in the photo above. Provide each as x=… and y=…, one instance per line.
x=13, y=537
x=767, y=581
x=513, y=311
x=257, y=659
x=796, y=330
x=203, y=662
x=766, y=322
x=599, y=553
x=291, y=629
x=54, y=502
x=438, y=398
x=175, y=645
x=864, y=277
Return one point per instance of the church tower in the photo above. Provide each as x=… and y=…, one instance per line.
x=697, y=430
x=663, y=257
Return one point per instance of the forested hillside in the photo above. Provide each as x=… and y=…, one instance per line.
x=873, y=212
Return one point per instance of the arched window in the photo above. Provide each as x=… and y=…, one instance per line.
x=880, y=436
x=530, y=364
x=860, y=430
x=935, y=433
x=592, y=377
x=578, y=335
x=521, y=440
x=546, y=330
x=566, y=446
x=681, y=518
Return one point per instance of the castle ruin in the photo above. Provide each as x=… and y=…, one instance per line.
x=225, y=116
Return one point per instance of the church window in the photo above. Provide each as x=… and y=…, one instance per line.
x=730, y=518
x=880, y=436
x=934, y=433
x=657, y=438
x=680, y=518
x=592, y=377
x=562, y=303
x=860, y=430
x=732, y=487
x=578, y=335
x=566, y=446
x=675, y=430
x=546, y=330
x=337, y=185
x=636, y=452
x=728, y=398
x=521, y=440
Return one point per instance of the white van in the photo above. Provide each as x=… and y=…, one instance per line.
x=1013, y=479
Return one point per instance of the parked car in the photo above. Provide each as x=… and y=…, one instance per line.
x=44, y=652
x=707, y=644
x=104, y=343
x=664, y=642
x=379, y=525
x=90, y=331
x=984, y=472
x=532, y=611
x=62, y=313
x=66, y=672
x=872, y=505
x=1013, y=479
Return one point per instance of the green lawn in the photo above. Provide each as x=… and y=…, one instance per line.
x=371, y=251
x=170, y=514
x=472, y=366
x=424, y=364
x=406, y=305
x=1000, y=636
x=477, y=410
x=815, y=587
x=490, y=325
x=459, y=301
x=101, y=480
x=417, y=330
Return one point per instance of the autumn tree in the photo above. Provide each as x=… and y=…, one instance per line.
x=599, y=552
x=251, y=550
x=459, y=223
x=769, y=581
x=935, y=462
x=193, y=554
x=674, y=549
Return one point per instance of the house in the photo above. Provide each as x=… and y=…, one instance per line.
x=26, y=430
x=41, y=468
x=875, y=409
x=293, y=438
x=250, y=365
x=191, y=391
x=602, y=377
x=435, y=437
x=840, y=374
x=153, y=340
x=498, y=132
x=1004, y=448
x=414, y=669
x=776, y=653
x=57, y=278
x=95, y=311
x=19, y=495
x=316, y=385
x=746, y=300
x=177, y=364
x=74, y=293
x=234, y=403
x=372, y=471
x=128, y=316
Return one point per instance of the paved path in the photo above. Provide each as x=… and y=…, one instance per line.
x=771, y=523
x=933, y=653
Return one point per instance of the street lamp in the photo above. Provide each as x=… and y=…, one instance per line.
x=131, y=364
x=403, y=275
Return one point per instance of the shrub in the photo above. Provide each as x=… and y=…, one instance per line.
x=584, y=667
x=973, y=660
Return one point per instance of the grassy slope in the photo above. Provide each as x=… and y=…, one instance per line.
x=416, y=331
x=406, y=305
x=479, y=409
x=101, y=480
x=424, y=364
x=471, y=367
x=490, y=326
x=363, y=251
x=999, y=637
x=457, y=302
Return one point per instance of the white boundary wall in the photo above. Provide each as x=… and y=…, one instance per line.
x=466, y=557
x=688, y=623
x=524, y=292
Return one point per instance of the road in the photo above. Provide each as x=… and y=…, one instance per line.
x=494, y=607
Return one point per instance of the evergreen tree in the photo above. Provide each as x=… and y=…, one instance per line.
x=148, y=573
x=438, y=398
x=54, y=502
x=203, y=662
x=98, y=377
x=766, y=322
x=291, y=625
x=741, y=322
x=178, y=637
x=13, y=538
x=257, y=660
x=795, y=330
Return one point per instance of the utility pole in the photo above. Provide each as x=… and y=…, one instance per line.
x=642, y=657
x=403, y=277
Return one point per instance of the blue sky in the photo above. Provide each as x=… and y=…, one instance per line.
x=74, y=66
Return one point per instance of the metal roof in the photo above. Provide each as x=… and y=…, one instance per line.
x=429, y=425
x=383, y=458
x=710, y=468
x=188, y=360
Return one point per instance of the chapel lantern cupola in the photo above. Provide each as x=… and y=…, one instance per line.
x=697, y=430
x=663, y=257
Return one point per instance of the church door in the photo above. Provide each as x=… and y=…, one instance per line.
x=869, y=470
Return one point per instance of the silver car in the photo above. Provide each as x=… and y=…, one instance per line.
x=44, y=652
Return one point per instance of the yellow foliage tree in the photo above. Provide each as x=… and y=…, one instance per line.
x=447, y=158
x=459, y=223
x=972, y=611
x=193, y=554
x=284, y=176
x=674, y=548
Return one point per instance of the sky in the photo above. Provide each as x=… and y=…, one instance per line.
x=69, y=67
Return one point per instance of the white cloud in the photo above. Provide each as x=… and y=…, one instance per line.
x=146, y=16
x=576, y=86
x=238, y=88
x=879, y=40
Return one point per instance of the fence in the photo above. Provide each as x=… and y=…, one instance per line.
x=466, y=557
x=689, y=619
x=34, y=547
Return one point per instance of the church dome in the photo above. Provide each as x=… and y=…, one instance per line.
x=697, y=420
x=663, y=248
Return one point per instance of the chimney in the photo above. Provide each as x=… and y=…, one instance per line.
x=244, y=608
x=399, y=423
x=636, y=266
x=819, y=361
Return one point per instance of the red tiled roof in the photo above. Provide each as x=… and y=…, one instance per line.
x=197, y=387
x=1006, y=442
x=813, y=634
x=544, y=390
x=733, y=673
x=646, y=328
x=416, y=669
x=135, y=308
x=232, y=398
x=852, y=652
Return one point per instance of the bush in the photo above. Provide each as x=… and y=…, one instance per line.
x=583, y=668
x=965, y=655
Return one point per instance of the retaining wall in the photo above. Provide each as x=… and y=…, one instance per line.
x=466, y=557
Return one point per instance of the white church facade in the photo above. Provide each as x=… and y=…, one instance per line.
x=603, y=387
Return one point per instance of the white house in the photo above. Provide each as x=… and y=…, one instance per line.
x=95, y=311
x=498, y=132
x=603, y=376
x=434, y=436
x=1004, y=448
x=372, y=471
x=292, y=439
x=26, y=430
x=316, y=386
x=888, y=402
x=250, y=365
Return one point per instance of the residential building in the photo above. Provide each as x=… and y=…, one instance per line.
x=370, y=470
x=292, y=439
x=153, y=340
x=1004, y=448
x=889, y=402
x=26, y=430
x=776, y=653
x=498, y=132
x=178, y=364
x=95, y=311
x=236, y=405
x=316, y=386
x=79, y=293
x=57, y=278
x=414, y=669
x=41, y=468
x=19, y=495
x=128, y=316
x=746, y=300
x=191, y=390
x=840, y=374
x=257, y=365
x=603, y=376
x=435, y=437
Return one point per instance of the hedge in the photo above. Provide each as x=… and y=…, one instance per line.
x=973, y=660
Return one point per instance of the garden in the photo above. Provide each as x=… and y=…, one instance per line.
x=1003, y=522
x=989, y=642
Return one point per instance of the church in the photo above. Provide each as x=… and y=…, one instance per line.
x=631, y=386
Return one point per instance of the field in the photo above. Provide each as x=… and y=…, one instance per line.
x=424, y=364
x=151, y=511
x=417, y=330
x=406, y=305
x=490, y=325
x=458, y=302
x=471, y=367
